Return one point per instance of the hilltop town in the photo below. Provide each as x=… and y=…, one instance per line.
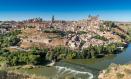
x=73, y=34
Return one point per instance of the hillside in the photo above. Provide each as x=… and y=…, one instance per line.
x=116, y=72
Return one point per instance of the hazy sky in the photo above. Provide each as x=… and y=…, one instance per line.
x=65, y=9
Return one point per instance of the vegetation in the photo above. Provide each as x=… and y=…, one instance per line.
x=90, y=52
x=60, y=33
x=107, y=26
x=98, y=51
x=126, y=38
x=51, y=31
x=18, y=58
x=9, y=39
x=81, y=32
x=35, y=56
x=61, y=53
x=41, y=56
x=110, y=24
x=31, y=26
x=120, y=75
x=100, y=37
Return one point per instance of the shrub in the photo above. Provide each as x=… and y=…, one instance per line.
x=100, y=37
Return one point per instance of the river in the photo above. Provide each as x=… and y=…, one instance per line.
x=85, y=68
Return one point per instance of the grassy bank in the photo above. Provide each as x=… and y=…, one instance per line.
x=23, y=72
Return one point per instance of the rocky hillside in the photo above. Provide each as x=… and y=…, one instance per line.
x=116, y=72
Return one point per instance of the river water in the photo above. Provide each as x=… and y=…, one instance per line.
x=87, y=68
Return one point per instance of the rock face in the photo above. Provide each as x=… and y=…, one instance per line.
x=116, y=72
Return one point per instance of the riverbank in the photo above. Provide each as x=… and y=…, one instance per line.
x=116, y=72
x=17, y=75
x=21, y=72
x=40, y=72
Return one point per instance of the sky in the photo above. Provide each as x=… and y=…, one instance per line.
x=115, y=10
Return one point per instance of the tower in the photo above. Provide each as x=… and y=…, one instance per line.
x=53, y=19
